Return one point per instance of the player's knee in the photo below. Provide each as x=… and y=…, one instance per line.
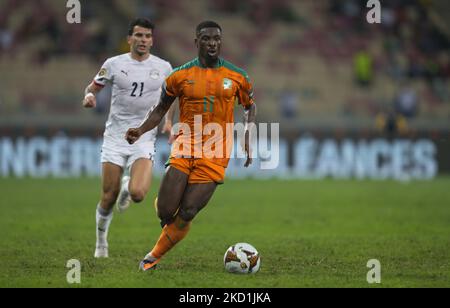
x=188, y=214
x=109, y=197
x=137, y=195
x=165, y=214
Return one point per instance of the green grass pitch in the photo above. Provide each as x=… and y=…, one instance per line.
x=309, y=234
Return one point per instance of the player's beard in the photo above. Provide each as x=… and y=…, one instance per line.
x=140, y=52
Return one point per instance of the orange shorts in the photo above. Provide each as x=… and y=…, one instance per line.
x=200, y=170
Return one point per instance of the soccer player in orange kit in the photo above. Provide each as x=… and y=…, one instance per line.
x=207, y=88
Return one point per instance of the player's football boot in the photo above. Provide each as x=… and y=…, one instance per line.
x=124, y=199
x=101, y=251
x=148, y=263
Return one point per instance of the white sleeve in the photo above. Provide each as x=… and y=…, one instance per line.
x=105, y=74
x=168, y=70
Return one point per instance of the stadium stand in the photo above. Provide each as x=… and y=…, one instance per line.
x=339, y=70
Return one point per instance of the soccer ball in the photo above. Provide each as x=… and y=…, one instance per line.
x=242, y=258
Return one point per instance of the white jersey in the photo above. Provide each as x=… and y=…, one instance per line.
x=136, y=89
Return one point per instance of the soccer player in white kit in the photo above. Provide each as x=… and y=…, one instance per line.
x=136, y=80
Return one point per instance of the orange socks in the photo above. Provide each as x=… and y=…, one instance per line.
x=170, y=236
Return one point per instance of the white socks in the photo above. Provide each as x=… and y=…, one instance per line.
x=103, y=218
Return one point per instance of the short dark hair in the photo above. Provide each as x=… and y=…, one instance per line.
x=141, y=22
x=207, y=24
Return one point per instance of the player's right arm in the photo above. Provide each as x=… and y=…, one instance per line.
x=104, y=76
x=90, y=92
x=155, y=117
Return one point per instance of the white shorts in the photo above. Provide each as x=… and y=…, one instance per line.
x=125, y=155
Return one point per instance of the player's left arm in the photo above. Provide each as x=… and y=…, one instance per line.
x=246, y=100
x=103, y=76
x=90, y=93
x=249, y=122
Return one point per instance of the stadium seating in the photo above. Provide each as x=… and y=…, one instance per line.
x=308, y=47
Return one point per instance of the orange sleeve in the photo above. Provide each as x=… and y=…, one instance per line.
x=172, y=85
x=245, y=94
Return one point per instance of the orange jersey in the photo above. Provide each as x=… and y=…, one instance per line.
x=209, y=95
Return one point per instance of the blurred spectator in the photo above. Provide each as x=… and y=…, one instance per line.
x=388, y=18
x=289, y=102
x=351, y=9
x=6, y=38
x=391, y=123
x=320, y=38
x=406, y=102
x=363, y=67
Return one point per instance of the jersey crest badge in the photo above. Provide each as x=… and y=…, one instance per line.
x=227, y=84
x=154, y=74
x=102, y=72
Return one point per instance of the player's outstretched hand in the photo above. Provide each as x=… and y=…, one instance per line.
x=133, y=135
x=247, y=149
x=248, y=153
x=89, y=101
